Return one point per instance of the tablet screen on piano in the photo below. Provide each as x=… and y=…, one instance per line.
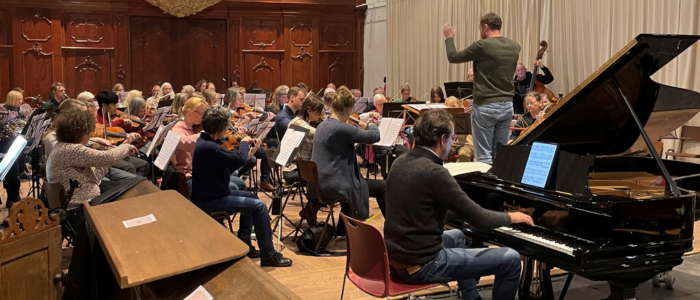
x=539, y=164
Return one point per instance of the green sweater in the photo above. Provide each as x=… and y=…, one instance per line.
x=495, y=60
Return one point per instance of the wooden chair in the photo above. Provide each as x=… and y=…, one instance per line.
x=308, y=171
x=688, y=133
x=56, y=197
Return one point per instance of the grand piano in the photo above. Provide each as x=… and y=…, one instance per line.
x=601, y=213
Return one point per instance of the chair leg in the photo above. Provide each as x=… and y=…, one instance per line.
x=345, y=277
x=447, y=285
x=325, y=226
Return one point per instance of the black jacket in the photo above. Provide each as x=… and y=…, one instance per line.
x=521, y=88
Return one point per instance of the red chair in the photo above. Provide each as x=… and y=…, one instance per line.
x=367, y=264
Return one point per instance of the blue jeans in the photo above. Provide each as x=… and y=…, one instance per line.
x=455, y=262
x=253, y=212
x=235, y=184
x=490, y=126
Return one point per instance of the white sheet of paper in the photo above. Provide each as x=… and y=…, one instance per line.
x=291, y=140
x=466, y=167
x=200, y=294
x=155, y=140
x=389, y=129
x=255, y=100
x=168, y=149
x=139, y=221
x=263, y=129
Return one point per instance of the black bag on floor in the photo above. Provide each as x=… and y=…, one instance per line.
x=310, y=237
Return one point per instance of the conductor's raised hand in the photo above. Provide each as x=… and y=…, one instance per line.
x=448, y=31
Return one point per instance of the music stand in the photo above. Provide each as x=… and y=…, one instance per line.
x=463, y=122
x=165, y=103
x=255, y=91
x=361, y=104
x=11, y=156
x=459, y=89
x=157, y=119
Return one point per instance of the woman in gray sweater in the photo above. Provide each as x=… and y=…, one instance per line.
x=334, y=154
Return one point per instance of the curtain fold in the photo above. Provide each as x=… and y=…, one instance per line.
x=582, y=35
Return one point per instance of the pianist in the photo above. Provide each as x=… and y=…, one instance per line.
x=419, y=191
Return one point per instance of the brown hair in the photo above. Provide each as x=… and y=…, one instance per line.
x=491, y=20
x=72, y=126
x=437, y=90
x=312, y=103
x=430, y=127
x=211, y=97
x=344, y=100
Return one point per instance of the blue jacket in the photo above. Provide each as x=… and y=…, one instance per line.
x=282, y=120
x=212, y=166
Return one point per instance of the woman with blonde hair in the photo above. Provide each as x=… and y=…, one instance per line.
x=211, y=97
x=178, y=103
x=155, y=90
x=191, y=115
x=131, y=95
x=278, y=99
x=12, y=121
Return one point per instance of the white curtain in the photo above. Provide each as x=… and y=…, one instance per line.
x=582, y=35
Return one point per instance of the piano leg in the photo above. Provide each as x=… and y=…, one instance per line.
x=622, y=291
x=525, y=291
x=545, y=281
x=535, y=281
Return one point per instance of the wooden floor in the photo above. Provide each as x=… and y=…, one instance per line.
x=319, y=277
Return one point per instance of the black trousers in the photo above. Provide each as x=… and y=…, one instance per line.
x=377, y=189
x=134, y=165
x=11, y=182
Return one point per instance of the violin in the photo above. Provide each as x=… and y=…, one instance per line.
x=536, y=86
x=115, y=135
x=232, y=139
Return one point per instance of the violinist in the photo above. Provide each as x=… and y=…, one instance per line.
x=265, y=179
x=187, y=89
x=131, y=95
x=406, y=94
x=211, y=97
x=334, y=154
x=211, y=166
x=154, y=93
x=201, y=86
x=534, y=112
x=107, y=100
x=178, y=102
x=191, y=115
x=522, y=84
x=376, y=114
x=211, y=87
x=277, y=100
x=545, y=103
x=296, y=99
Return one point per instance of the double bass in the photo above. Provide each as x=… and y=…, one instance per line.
x=536, y=86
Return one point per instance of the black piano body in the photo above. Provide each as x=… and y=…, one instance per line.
x=602, y=215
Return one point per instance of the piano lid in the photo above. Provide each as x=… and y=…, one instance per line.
x=594, y=119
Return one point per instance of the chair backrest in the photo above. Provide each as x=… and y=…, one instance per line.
x=690, y=132
x=274, y=168
x=308, y=173
x=366, y=252
x=55, y=194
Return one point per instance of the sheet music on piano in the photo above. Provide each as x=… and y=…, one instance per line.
x=539, y=164
x=459, y=168
x=388, y=131
x=168, y=149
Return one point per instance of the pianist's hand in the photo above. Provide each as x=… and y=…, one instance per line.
x=518, y=217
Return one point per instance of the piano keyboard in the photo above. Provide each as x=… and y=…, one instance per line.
x=542, y=241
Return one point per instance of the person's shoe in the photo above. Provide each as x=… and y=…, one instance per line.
x=253, y=253
x=266, y=186
x=277, y=260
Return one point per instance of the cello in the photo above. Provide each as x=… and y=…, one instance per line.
x=536, y=86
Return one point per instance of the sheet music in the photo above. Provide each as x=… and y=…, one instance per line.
x=263, y=130
x=158, y=139
x=11, y=156
x=389, y=129
x=169, y=146
x=420, y=107
x=466, y=167
x=157, y=119
x=539, y=164
x=255, y=100
x=292, y=139
x=252, y=125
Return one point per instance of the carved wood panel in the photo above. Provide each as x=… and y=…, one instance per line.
x=37, y=26
x=337, y=35
x=153, y=49
x=204, y=44
x=86, y=30
x=301, y=57
x=87, y=70
x=264, y=67
x=5, y=27
x=338, y=68
x=37, y=70
x=262, y=34
x=5, y=72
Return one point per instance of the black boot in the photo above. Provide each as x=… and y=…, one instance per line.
x=277, y=260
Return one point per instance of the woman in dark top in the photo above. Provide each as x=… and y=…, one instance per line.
x=334, y=154
x=436, y=95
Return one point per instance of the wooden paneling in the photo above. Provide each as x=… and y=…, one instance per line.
x=338, y=68
x=265, y=68
x=5, y=72
x=233, y=40
x=88, y=30
x=87, y=70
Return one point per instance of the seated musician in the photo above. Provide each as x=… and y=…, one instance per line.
x=56, y=95
x=334, y=154
x=405, y=94
x=187, y=89
x=211, y=168
x=211, y=86
x=12, y=120
x=328, y=97
x=470, y=75
x=265, y=178
x=463, y=146
x=162, y=95
x=376, y=114
x=330, y=86
x=107, y=112
x=545, y=103
x=419, y=193
x=302, y=86
x=70, y=159
x=201, y=86
x=87, y=97
x=178, y=102
x=211, y=97
x=522, y=84
x=278, y=99
x=295, y=98
x=131, y=95
x=436, y=95
x=154, y=92
x=532, y=103
x=356, y=93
